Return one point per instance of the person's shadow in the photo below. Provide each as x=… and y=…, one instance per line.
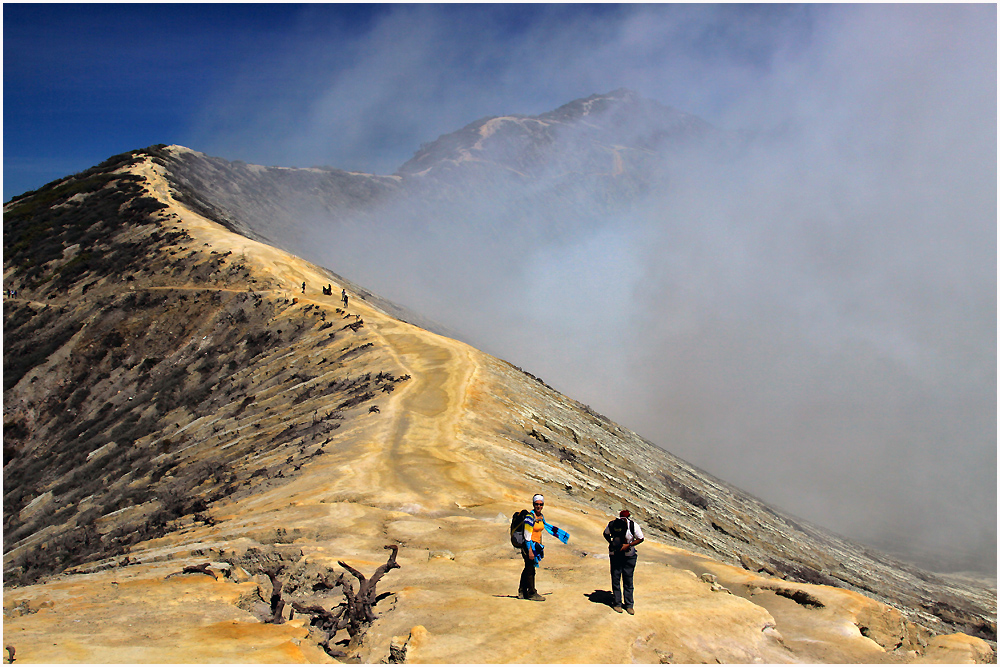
x=602, y=597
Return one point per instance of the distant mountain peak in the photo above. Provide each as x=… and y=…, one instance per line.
x=590, y=130
x=594, y=105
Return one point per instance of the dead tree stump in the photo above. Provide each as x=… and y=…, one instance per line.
x=194, y=569
x=360, y=605
x=355, y=614
x=294, y=585
x=277, y=604
x=276, y=566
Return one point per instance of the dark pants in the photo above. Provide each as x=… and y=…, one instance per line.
x=527, y=586
x=622, y=569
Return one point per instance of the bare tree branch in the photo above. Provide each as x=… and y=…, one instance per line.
x=193, y=569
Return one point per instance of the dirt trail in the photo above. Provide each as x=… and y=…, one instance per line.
x=418, y=458
x=423, y=446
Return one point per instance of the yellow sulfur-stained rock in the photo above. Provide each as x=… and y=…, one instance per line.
x=959, y=649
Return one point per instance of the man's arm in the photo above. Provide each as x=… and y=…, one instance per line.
x=637, y=537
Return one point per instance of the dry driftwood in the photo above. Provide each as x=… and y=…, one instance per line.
x=277, y=604
x=355, y=613
x=194, y=569
x=360, y=604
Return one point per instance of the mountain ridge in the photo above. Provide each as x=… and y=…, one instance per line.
x=208, y=444
x=597, y=135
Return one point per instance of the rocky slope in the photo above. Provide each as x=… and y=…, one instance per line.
x=177, y=394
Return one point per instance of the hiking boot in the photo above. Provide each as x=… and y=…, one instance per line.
x=617, y=609
x=537, y=598
x=521, y=595
x=630, y=611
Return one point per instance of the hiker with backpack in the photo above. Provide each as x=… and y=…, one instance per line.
x=623, y=535
x=526, y=529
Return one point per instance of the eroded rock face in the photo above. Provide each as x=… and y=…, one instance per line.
x=202, y=408
x=959, y=648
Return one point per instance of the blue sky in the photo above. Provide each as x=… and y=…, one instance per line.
x=820, y=330
x=83, y=82
x=369, y=82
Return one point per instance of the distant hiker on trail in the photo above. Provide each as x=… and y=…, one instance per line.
x=530, y=538
x=303, y=288
x=623, y=535
x=343, y=295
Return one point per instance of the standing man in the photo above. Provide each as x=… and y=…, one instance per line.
x=623, y=535
x=343, y=295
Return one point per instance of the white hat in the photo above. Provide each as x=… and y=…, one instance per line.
x=538, y=498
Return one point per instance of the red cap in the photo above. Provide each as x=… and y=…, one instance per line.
x=624, y=513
